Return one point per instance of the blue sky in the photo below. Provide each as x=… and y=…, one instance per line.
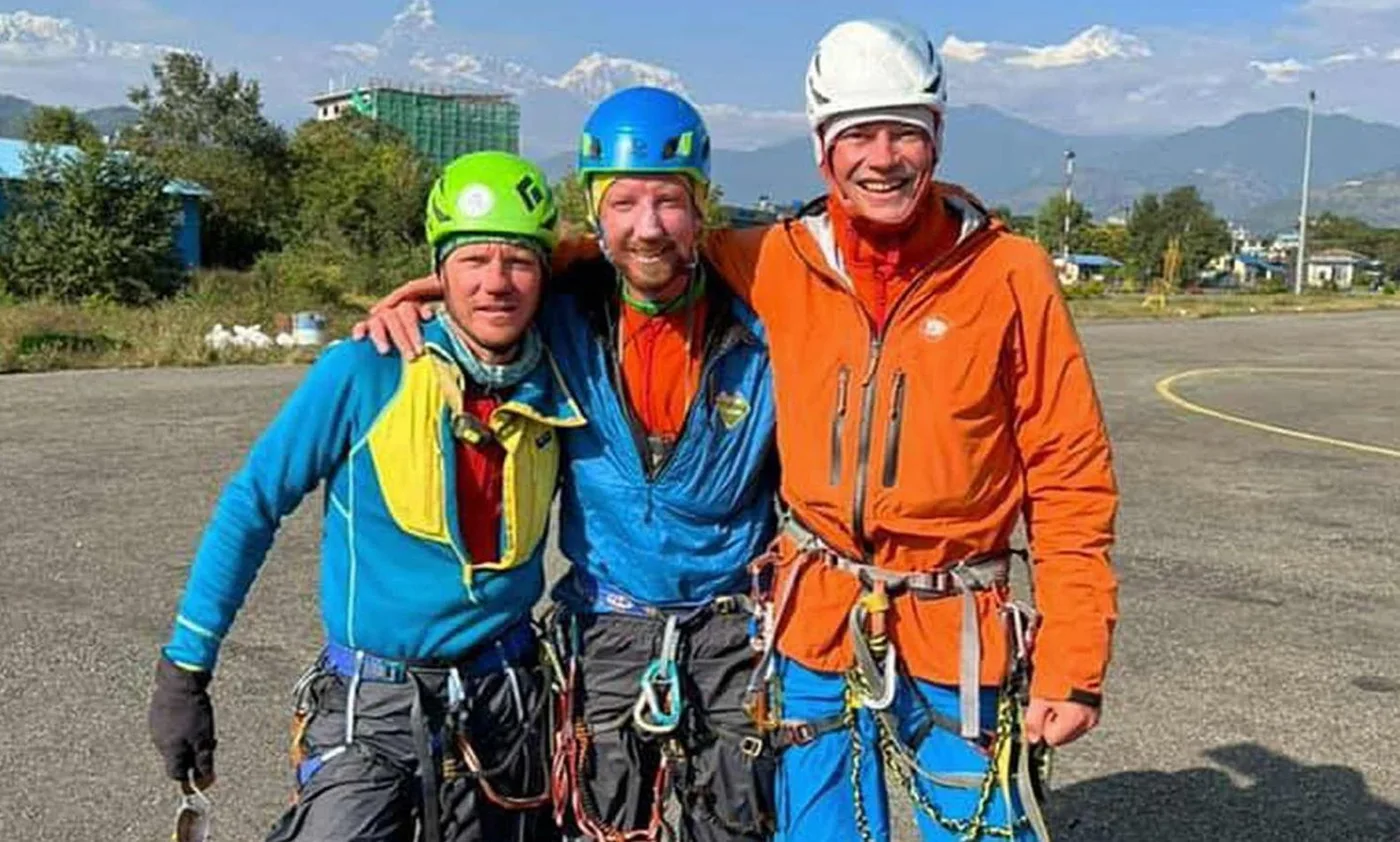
x=1074, y=65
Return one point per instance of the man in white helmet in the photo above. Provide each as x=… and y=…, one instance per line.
x=931, y=396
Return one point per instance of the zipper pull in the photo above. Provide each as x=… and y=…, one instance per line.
x=875, y=343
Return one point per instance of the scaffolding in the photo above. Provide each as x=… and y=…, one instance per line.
x=442, y=124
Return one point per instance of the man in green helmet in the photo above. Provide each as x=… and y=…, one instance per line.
x=426, y=713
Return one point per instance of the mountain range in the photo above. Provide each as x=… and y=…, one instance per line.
x=1249, y=168
x=14, y=113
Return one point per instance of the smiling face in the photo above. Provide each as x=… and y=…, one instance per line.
x=651, y=227
x=492, y=291
x=880, y=170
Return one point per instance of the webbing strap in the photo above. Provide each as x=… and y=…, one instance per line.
x=1025, y=787
x=980, y=572
x=881, y=678
x=801, y=732
x=969, y=667
x=427, y=769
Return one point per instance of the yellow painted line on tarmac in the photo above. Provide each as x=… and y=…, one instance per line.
x=1164, y=388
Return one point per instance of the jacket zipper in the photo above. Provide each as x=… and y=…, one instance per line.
x=712, y=354
x=892, y=430
x=838, y=424
x=867, y=409
x=867, y=391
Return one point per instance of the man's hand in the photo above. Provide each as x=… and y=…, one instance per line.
x=1058, y=723
x=393, y=321
x=181, y=719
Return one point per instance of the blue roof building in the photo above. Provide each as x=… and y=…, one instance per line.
x=187, y=223
x=1081, y=267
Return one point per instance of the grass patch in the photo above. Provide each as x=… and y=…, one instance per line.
x=44, y=336
x=1207, y=306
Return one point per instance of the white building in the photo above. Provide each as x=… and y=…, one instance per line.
x=1336, y=268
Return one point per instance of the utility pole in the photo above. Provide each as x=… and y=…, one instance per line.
x=1069, y=204
x=1301, y=269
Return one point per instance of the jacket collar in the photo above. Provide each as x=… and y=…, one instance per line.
x=542, y=395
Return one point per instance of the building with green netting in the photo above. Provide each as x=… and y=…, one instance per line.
x=442, y=124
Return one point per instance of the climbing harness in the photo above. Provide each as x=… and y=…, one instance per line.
x=872, y=682
x=656, y=715
x=424, y=681
x=574, y=737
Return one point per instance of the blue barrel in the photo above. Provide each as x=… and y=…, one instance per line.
x=308, y=328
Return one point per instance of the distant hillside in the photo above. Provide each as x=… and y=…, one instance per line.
x=1246, y=163
x=14, y=113
x=1374, y=198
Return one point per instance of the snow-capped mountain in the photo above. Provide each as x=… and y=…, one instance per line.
x=415, y=47
x=484, y=72
x=26, y=36
x=1097, y=43
x=597, y=76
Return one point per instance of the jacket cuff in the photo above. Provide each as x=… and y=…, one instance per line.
x=191, y=646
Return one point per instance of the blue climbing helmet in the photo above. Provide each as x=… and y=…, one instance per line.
x=644, y=130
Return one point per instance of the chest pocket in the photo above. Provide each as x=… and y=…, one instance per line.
x=531, y=466
x=407, y=445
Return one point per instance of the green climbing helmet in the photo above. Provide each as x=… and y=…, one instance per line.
x=492, y=194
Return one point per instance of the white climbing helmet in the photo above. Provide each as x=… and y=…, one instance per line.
x=873, y=66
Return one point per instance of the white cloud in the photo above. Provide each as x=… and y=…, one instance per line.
x=1393, y=55
x=359, y=51
x=26, y=37
x=1147, y=93
x=956, y=49
x=1363, y=54
x=415, y=19
x=1097, y=43
x=745, y=128
x=1280, y=72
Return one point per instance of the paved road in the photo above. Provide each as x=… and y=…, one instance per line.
x=1255, y=689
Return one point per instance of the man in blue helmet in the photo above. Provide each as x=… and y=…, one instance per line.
x=666, y=495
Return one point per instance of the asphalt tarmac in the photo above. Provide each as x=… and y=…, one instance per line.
x=1255, y=687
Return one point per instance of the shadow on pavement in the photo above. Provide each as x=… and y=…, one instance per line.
x=1283, y=800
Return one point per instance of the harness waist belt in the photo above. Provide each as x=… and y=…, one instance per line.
x=981, y=572
x=609, y=600
x=508, y=649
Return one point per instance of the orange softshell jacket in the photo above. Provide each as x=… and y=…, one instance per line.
x=924, y=443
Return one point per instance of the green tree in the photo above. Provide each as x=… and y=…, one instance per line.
x=1016, y=223
x=210, y=129
x=358, y=182
x=1330, y=231
x=63, y=125
x=1050, y=223
x=569, y=196
x=1178, y=213
x=1109, y=240
x=95, y=224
